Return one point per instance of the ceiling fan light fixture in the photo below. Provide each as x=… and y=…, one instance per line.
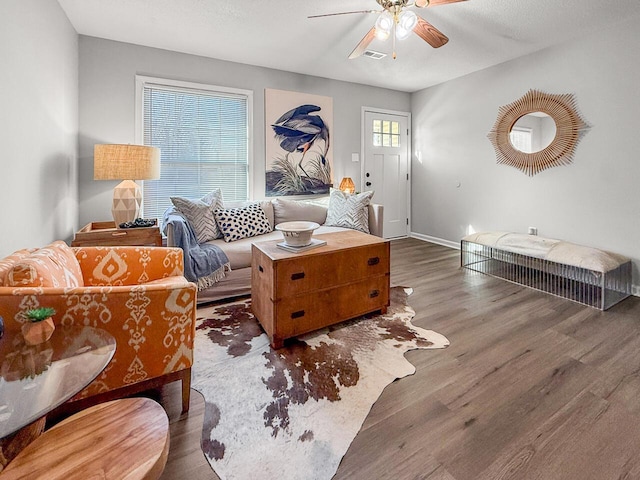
x=402, y=33
x=406, y=21
x=384, y=23
x=382, y=34
x=421, y=3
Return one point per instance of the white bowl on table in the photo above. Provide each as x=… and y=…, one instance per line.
x=297, y=234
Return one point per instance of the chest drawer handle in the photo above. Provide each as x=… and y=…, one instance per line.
x=297, y=276
x=374, y=293
x=373, y=261
x=298, y=314
x=119, y=234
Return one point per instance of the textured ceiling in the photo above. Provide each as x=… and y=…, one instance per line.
x=278, y=34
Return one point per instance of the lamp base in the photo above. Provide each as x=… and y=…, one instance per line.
x=127, y=200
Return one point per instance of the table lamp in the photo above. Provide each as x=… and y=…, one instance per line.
x=127, y=163
x=347, y=185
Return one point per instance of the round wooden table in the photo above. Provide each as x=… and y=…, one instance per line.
x=123, y=439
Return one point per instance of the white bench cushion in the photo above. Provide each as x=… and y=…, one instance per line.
x=550, y=249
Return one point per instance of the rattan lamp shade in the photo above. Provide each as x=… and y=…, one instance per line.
x=127, y=163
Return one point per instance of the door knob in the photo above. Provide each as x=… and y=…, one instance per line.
x=368, y=184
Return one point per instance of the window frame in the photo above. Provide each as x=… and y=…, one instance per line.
x=142, y=81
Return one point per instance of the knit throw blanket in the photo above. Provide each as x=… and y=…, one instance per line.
x=204, y=264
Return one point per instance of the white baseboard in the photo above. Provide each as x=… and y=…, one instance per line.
x=436, y=240
x=635, y=290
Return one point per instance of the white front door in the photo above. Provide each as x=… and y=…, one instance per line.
x=385, y=167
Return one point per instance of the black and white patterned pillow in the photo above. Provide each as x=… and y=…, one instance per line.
x=349, y=211
x=237, y=223
x=199, y=214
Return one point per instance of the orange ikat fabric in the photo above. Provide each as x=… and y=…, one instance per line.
x=138, y=294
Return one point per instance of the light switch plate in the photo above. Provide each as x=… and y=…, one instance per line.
x=355, y=157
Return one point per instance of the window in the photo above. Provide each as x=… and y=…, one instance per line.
x=386, y=133
x=203, y=133
x=521, y=139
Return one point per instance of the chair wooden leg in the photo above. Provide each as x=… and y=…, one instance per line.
x=186, y=389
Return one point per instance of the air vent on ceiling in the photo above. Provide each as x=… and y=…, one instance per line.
x=373, y=54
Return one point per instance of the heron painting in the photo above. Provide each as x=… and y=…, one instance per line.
x=298, y=143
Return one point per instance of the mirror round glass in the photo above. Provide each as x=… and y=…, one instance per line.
x=533, y=132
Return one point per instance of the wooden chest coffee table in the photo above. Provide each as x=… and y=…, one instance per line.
x=294, y=293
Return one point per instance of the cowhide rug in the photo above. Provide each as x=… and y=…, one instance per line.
x=292, y=413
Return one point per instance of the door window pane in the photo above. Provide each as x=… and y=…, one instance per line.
x=386, y=133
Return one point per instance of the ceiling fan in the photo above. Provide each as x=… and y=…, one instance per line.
x=397, y=21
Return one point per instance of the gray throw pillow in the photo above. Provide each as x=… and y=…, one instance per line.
x=199, y=214
x=237, y=223
x=349, y=211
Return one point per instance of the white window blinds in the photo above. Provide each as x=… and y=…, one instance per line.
x=521, y=139
x=203, y=137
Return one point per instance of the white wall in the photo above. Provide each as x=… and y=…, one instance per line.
x=38, y=124
x=107, y=76
x=594, y=201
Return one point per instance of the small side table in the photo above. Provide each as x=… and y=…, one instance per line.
x=35, y=379
x=96, y=234
x=126, y=438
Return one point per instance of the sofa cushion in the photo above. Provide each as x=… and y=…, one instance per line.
x=237, y=223
x=199, y=214
x=239, y=252
x=350, y=211
x=292, y=211
x=52, y=266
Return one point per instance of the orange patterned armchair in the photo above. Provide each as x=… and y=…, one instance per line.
x=138, y=294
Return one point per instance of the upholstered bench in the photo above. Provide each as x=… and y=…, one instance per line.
x=586, y=275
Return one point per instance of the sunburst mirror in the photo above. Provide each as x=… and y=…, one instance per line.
x=537, y=131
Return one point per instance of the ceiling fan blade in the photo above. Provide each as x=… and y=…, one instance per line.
x=364, y=43
x=429, y=33
x=343, y=13
x=433, y=3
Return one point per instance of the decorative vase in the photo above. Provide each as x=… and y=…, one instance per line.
x=35, y=333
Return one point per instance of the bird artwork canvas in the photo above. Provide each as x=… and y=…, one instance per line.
x=298, y=143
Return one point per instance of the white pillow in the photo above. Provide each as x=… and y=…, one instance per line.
x=293, y=210
x=349, y=211
x=199, y=214
x=237, y=223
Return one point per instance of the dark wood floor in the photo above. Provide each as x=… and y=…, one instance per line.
x=532, y=387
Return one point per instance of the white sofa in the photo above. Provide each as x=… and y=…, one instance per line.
x=237, y=282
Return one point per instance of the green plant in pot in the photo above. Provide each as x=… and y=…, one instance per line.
x=39, y=325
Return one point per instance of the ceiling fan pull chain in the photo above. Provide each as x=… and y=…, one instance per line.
x=395, y=21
